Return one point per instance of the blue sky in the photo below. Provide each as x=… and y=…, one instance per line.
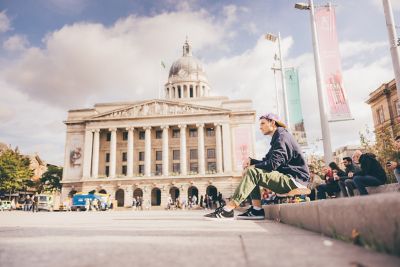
x=59, y=55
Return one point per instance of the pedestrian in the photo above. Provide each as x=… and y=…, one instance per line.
x=283, y=170
x=201, y=201
x=34, y=203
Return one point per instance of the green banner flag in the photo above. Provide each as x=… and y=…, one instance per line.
x=294, y=106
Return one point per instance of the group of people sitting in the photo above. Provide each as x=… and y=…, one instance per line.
x=361, y=170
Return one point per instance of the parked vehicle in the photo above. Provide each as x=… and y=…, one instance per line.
x=83, y=201
x=45, y=202
x=5, y=205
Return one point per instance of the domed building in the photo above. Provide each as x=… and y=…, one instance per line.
x=188, y=143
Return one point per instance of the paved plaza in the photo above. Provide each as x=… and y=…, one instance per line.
x=167, y=238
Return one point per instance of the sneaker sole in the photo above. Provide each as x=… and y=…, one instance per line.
x=250, y=218
x=219, y=219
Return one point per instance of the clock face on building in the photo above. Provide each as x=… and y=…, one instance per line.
x=183, y=73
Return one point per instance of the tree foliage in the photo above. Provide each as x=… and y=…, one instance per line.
x=50, y=180
x=14, y=170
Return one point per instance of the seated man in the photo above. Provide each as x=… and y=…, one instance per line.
x=346, y=183
x=282, y=170
x=371, y=174
x=394, y=164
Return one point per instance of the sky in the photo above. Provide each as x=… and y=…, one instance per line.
x=58, y=55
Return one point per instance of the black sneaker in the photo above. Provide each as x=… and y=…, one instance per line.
x=220, y=214
x=252, y=214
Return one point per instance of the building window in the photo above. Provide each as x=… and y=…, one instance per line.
x=212, y=166
x=210, y=132
x=124, y=156
x=193, y=154
x=192, y=132
x=107, y=171
x=124, y=170
x=176, y=167
x=141, y=169
x=141, y=135
x=397, y=107
x=175, y=133
x=158, y=169
x=108, y=137
x=124, y=136
x=141, y=156
x=158, y=155
x=211, y=153
x=194, y=167
x=380, y=115
x=107, y=157
x=176, y=154
x=158, y=134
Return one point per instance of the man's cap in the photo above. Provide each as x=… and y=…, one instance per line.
x=273, y=117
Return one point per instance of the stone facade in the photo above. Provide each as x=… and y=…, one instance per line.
x=187, y=144
x=385, y=107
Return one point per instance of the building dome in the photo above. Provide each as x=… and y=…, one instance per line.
x=187, y=78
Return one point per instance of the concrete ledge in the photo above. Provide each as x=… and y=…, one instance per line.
x=372, y=220
x=387, y=188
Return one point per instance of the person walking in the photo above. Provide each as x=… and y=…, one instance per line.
x=283, y=170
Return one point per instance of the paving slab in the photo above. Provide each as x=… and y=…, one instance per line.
x=168, y=238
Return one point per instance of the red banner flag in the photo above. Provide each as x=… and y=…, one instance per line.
x=325, y=21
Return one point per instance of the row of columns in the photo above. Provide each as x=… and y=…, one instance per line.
x=198, y=91
x=92, y=144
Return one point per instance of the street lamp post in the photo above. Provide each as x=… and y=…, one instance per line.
x=326, y=137
x=394, y=47
x=273, y=38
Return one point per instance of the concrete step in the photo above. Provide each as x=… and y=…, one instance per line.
x=372, y=221
x=387, y=188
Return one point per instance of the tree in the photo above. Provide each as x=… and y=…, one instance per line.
x=14, y=171
x=50, y=180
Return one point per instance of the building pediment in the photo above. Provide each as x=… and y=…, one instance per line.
x=158, y=108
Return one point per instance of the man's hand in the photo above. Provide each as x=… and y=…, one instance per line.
x=246, y=163
x=391, y=165
x=350, y=174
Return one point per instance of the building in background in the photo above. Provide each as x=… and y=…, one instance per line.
x=188, y=143
x=385, y=107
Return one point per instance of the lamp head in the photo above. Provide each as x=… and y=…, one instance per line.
x=302, y=6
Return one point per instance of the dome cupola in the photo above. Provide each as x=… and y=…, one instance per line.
x=187, y=78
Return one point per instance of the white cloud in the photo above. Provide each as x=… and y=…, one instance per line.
x=5, y=24
x=352, y=48
x=230, y=13
x=85, y=61
x=16, y=43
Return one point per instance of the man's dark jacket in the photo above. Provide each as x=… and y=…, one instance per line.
x=284, y=156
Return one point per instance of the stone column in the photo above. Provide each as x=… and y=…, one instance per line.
x=183, y=163
x=200, y=148
x=128, y=197
x=170, y=92
x=130, y=152
x=147, y=151
x=87, y=154
x=165, y=148
x=227, y=149
x=113, y=152
x=218, y=139
x=96, y=151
